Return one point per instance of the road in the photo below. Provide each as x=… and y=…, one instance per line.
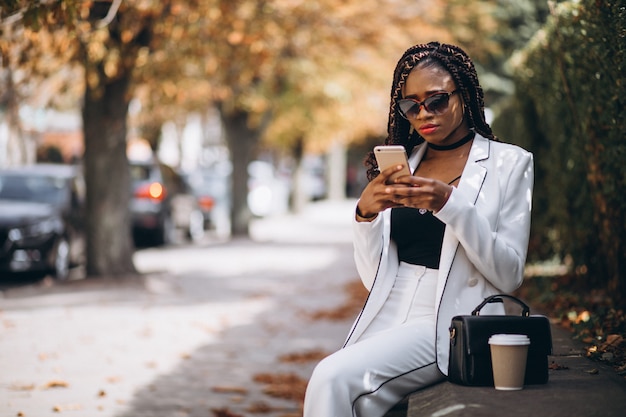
x=222, y=328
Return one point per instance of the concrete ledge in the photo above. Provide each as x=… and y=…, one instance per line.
x=580, y=387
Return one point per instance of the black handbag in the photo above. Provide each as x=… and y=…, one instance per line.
x=470, y=354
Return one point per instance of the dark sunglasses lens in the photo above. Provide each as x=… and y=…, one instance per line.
x=437, y=103
x=408, y=108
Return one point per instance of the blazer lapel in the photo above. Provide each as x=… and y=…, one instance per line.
x=471, y=183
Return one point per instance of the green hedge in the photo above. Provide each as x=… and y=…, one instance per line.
x=570, y=111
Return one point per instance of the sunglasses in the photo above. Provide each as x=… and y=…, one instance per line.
x=435, y=104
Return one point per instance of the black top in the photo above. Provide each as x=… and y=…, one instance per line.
x=419, y=237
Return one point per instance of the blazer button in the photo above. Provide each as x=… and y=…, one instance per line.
x=472, y=282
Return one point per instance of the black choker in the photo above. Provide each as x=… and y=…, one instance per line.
x=455, y=145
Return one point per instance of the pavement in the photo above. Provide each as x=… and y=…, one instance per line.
x=226, y=328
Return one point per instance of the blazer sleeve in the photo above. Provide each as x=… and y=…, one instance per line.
x=494, y=232
x=368, y=241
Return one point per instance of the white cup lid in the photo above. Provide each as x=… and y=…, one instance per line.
x=509, y=339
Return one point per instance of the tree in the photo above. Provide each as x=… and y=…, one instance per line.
x=35, y=71
x=491, y=31
x=105, y=38
x=251, y=59
x=265, y=56
x=570, y=100
x=109, y=53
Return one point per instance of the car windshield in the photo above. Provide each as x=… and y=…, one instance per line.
x=139, y=173
x=38, y=189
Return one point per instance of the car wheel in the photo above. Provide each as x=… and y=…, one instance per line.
x=196, y=226
x=62, y=260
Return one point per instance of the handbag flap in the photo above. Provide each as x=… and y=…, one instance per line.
x=478, y=329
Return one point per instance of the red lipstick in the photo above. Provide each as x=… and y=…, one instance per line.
x=427, y=129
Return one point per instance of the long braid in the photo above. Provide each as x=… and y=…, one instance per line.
x=454, y=60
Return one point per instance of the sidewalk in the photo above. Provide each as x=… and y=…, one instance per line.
x=224, y=329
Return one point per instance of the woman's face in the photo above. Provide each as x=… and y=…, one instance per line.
x=449, y=125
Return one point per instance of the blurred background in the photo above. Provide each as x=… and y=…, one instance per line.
x=181, y=121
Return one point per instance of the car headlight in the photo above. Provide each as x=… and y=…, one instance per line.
x=40, y=230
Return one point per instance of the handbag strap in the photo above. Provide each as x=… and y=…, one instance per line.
x=497, y=298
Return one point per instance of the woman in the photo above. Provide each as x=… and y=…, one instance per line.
x=431, y=245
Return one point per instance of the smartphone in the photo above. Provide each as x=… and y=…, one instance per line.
x=392, y=155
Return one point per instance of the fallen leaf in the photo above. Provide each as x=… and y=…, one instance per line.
x=264, y=408
x=556, y=367
x=356, y=293
x=66, y=407
x=309, y=356
x=593, y=371
x=259, y=408
x=56, y=383
x=227, y=389
x=287, y=386
x=24, y=387
x=224, y=412
x=614, y=339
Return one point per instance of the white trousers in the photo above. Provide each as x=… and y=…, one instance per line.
x=394, y=357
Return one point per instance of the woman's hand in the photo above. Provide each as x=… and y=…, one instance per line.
x=422, y=193
x=405, y=191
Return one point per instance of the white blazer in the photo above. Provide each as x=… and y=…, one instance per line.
x=485, y=243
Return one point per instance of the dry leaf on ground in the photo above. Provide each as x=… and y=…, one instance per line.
x=225, y=389
x=314, y=355
x=356, y=295
x=224, y=412
x=55, y=383
x=287, y=386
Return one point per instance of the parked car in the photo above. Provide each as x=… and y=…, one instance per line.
x=42, y=226
x=211, y=186
x=162, y=204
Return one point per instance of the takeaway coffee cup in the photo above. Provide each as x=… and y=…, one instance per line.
x=508, y=360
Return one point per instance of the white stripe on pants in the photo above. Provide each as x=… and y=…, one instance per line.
x=395, y=355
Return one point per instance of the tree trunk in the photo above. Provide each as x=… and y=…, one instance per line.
x=109, y=243
x=337, y=167
x=300, y=197
x=242, y=142
x=16, y=151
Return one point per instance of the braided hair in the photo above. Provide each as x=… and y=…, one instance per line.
x=454, y=60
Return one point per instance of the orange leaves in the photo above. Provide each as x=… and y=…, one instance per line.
x=356, y=294
x=224, y=412
x=590, y=314
x=285, y=385
x=225, y=389
x=304, y=357
x=288, y=386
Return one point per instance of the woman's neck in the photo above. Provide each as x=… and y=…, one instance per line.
x=454, y=145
